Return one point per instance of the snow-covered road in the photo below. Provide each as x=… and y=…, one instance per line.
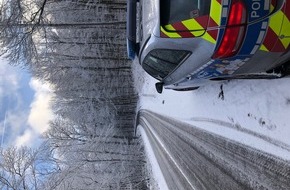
x=193, y=158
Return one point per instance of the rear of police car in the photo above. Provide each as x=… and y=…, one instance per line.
x=187, y=43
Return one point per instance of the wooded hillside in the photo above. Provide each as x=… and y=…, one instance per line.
x=77, y=46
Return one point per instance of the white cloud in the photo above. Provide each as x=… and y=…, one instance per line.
x=40, y=113
x=39, y=116
x=24, y=124
x=25, y=139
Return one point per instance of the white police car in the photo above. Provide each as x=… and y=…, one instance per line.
x=188, y=43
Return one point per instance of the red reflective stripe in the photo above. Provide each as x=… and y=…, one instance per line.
x=219, y=1
x=274, y=2
x=213, y=33
x=186, y=34
x=202, y=20
x=287, y=10
x=270, y=39
x=182, y=30
x=211, y=23
x=278, y=47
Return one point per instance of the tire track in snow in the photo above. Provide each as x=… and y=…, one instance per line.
x=244, y=130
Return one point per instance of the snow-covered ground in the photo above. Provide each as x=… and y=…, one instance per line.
x=253, y=112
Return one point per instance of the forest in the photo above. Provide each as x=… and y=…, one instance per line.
x=78, y=48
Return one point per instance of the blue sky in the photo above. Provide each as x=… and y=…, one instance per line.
x=24, y=107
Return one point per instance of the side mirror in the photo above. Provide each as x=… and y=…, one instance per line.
x=159, y=87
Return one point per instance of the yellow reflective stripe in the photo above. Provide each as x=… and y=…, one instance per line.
x=276, y=22
x=216, y=11
x=170, y=34
x=285, y=32
x=271, y=8
x=192, y=24
x=263, y=48
x=208, y=37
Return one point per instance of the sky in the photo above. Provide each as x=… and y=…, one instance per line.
x=253, y=112
x=24, y=107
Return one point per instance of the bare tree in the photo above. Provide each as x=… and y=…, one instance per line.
x=96, y=161
x=25, y=168
x=24, y=24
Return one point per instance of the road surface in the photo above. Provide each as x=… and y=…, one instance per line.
x=192, y=158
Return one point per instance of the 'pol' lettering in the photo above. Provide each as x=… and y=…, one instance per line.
x=256, y=5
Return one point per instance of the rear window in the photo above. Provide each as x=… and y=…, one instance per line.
x=174, y=11
x=160, y=62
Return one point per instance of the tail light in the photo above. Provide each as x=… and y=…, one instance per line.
x=234, y=32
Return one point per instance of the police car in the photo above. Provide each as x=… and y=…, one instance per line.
x=189, y=43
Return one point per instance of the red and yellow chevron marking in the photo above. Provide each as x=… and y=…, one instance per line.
x=196, y=27
x=277, y=38
x=214, y=21
x=285, y=30
x=215, y=13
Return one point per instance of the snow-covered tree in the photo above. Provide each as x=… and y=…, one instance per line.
x=78, y=47
x=25, y=168
x=24, y=25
